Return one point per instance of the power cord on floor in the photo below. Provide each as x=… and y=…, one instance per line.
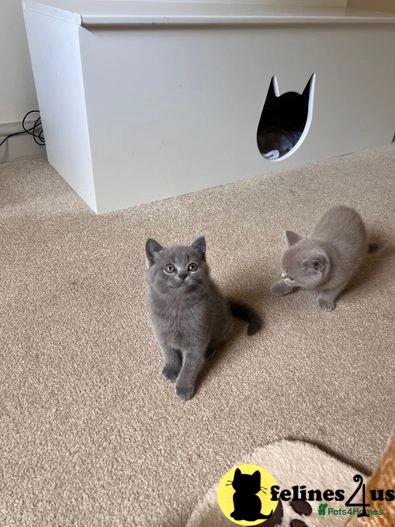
x=36, y=131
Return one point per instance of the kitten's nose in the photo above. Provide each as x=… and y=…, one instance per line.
x=284, y=274
x=182, y=275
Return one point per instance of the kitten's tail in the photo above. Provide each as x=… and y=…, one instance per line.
x=246, y=313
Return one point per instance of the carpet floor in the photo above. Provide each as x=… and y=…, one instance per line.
x=91, y=434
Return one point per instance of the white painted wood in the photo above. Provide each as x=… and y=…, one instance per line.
x=55, y=55
x=19, y=146
x=14, y=126
x=185, y=117
x=97, y=12
x=153, y=112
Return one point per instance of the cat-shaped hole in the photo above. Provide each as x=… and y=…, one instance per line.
x=285, y=120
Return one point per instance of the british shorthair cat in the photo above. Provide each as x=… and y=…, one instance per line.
x=327, y=260
x=189, y=314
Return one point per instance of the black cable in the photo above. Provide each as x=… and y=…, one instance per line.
x=36, y=131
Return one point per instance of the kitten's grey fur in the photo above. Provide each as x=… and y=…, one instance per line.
x=327, y=260
x=189, y=315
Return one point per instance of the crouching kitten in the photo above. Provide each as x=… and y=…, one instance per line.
x=327, y=260
x=189, y=315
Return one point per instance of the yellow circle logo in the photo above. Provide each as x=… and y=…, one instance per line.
x=244, y=495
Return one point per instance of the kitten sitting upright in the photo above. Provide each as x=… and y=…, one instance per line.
x=327, y=260
x=189, y=315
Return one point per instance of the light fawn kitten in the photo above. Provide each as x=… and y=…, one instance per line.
x=327, y=260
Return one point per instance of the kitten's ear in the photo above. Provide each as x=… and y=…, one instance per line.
x=257, y=476
x=291, y=238
x=316, y=262
x=237, y=473
x=200, y=245
x=306, y=91
x=152, y=247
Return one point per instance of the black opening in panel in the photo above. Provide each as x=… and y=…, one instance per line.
x=285, y=120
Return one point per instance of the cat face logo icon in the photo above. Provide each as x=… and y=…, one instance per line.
x=244, y=495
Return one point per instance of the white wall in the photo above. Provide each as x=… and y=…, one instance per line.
x=17, y=93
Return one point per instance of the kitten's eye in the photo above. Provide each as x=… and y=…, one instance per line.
x=169, y=269
x=192, y=267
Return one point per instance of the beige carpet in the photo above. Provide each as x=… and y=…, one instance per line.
x=91, y=435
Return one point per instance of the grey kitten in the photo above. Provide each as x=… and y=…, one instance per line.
x=327, y=260
x=189, y=315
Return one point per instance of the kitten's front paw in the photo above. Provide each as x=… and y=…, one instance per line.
x=326, y=305
x=281, y=288
x=170, y=373
x=185, y=392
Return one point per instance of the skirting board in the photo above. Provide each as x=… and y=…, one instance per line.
x=19, y=146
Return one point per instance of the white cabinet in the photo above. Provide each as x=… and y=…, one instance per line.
x=145, y=100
